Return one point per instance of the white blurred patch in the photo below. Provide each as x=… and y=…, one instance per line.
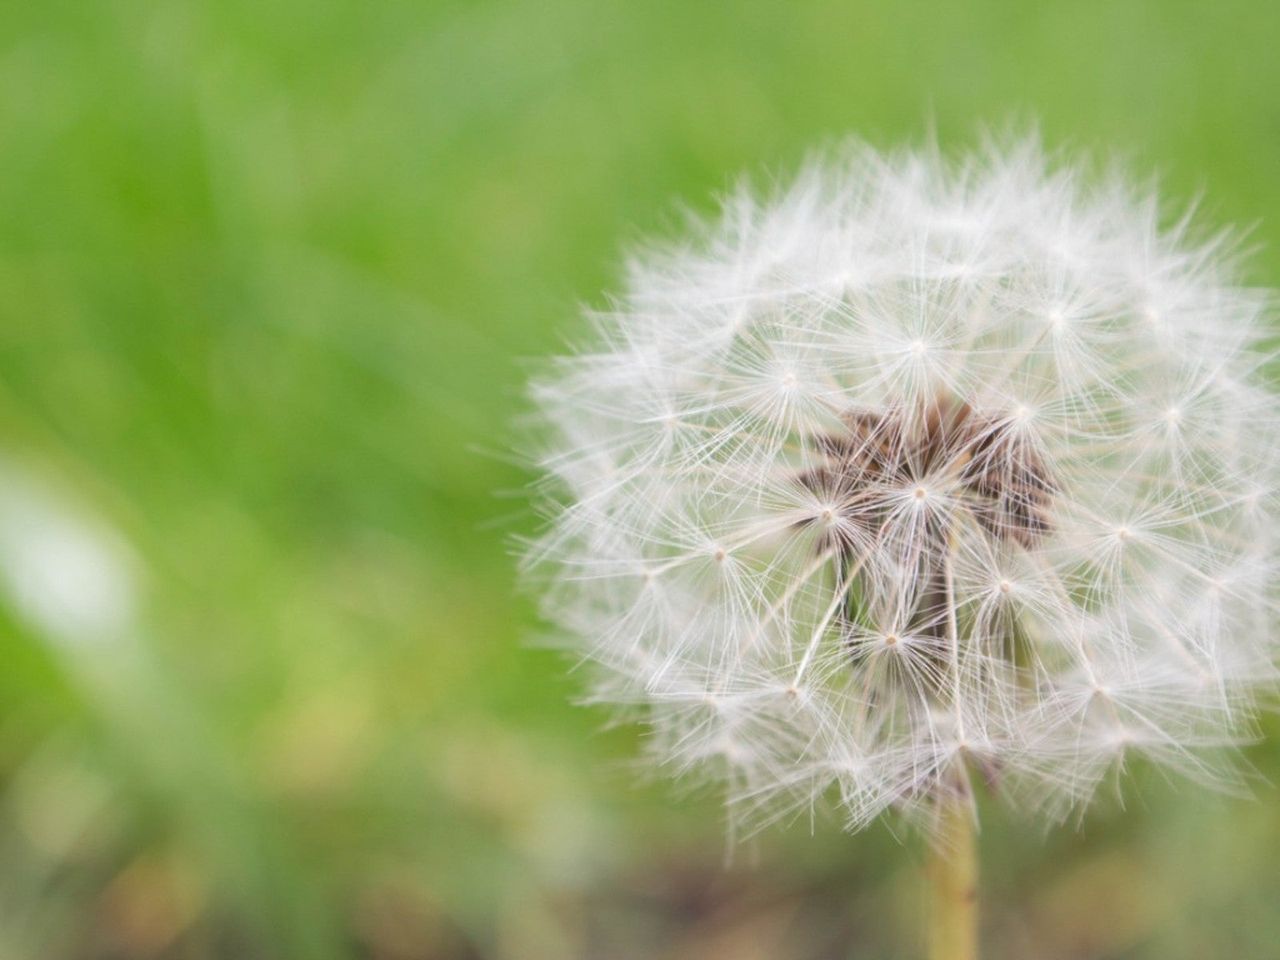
x=65, y=575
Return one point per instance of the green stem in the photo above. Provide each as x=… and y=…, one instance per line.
x=953, y=886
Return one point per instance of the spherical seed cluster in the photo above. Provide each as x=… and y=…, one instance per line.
x=920, y=471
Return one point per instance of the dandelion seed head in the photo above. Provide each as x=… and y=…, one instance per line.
x=915, y=470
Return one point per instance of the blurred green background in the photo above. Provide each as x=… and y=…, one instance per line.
x=271, y=278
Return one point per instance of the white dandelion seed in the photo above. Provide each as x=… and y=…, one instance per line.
x=915, y=472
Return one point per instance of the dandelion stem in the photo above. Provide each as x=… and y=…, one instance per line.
x=953, y=885
x=953, y=636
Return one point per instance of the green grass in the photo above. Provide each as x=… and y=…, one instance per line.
x=271, y=278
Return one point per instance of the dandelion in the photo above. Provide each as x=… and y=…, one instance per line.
x=916, y=474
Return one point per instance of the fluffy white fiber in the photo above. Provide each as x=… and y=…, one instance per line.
x=919, y=471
